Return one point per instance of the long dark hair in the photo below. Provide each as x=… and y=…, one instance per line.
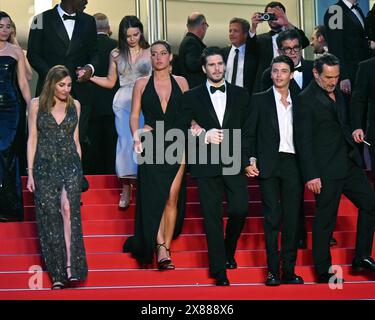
x=3, y=14
x=126, y=23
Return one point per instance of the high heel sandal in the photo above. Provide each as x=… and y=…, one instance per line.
x=72, y=279
x=57, y=285
x=125, y=198
x=164, y=263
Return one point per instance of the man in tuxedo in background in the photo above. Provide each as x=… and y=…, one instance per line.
x=219, y=108
x=266, y=42
x=66, y=35
x=102, y=130
x=289, y=44
x=318, y=40
x=240, y=58
x=191, y=48
x=363, y=107
x=349, y=43
x=273, y=151
x=331, y=166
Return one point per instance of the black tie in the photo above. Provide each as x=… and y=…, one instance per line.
x=68, y=17
x=221, y=88
x=354, y=6
x=300, y=69
x=235, y=65
x=273, y=32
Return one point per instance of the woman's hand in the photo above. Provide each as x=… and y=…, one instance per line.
x=30, y=183
x=138, y=147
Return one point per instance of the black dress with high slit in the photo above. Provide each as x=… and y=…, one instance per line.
x=155, y=179
x=57, y=166
x=11, y=207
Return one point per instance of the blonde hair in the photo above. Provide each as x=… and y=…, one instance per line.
x=47, y=97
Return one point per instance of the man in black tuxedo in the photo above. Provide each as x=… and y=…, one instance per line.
x=191, y=48
x=272, y=149
x=289, y=44
x=348, y=41
x=363, y=106
x=102, y=130
x=266, y=42
x=331, y=166
x=66, y=35
x=219, y=108
x=240, y=58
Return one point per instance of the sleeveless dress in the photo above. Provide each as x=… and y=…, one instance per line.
x=155, y=180
x=11, y=206
x=57, y=165
x=128, y=73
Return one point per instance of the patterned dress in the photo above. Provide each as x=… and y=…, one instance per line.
x=128, y=73
x=57, y=165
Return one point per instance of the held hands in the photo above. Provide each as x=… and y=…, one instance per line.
x=30, y=183
x=214, y=136
x=252, y=170
x=195, y=129
x=83, y=73
x=345, y=86
x=138, y=148
x=314, y=185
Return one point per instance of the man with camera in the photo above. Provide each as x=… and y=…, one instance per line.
x=275, y=15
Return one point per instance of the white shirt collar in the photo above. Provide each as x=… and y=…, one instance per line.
x=278, y=95
x=241, y=48
x=62, y=12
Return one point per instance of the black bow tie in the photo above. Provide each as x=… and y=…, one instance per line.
x=221, y=88
x=355, y=6
x=300, y=69
x=273, y=32
x=68, y=17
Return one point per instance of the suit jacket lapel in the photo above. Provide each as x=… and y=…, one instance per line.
x=352, y=15
x=229, y=104
x=271, y=104
x=208, y=104
x=60, y=28
x=77, y=32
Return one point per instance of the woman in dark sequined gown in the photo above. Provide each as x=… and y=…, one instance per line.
x=160, y=188
x=55, y=177
x=12, y=63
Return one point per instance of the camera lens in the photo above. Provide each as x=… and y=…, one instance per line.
x=266, y=17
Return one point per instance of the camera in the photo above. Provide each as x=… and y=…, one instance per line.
x=267, y=16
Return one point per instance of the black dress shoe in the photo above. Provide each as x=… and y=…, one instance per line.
x=364, y=264
x=231, y=264
x=302, y=244
x=291, y=279
x=332, y=241
x=327, y=276
x=222, y=282
x=272, y=280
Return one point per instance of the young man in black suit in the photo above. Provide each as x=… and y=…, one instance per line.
x=331, y=166
x=273, y=151
x=266, y=42
x=363, y=107
x=66, y=35
x=191, y=48
x=221, y=110
x=348, y=42
x=240, y=58
x=289, y=44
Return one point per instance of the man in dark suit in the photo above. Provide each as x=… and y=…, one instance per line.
x=273, y=150
x=102, y=130
x=240, y=58
x=348, y=41
x=331, y=166
x=219, y=108
x=66, y=35
x=266, y=42
x=289, y=44
x=363, y=107
x=191, y=49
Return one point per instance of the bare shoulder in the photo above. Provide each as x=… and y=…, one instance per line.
x=77, y=104
x=16, y=50
x=115, y=53
x=141, y=82
x=182, y=82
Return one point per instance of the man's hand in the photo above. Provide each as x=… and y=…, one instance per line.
x=84, y=73
x=252, y=170
x=282, y=19
x=214, y=136
x=255, y=20
x=314, y=185
x=358, y=135
x=345, y=86
x=195, y=129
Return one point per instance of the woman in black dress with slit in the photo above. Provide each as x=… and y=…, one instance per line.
x=161, y=187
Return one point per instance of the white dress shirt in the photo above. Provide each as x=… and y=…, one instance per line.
x=349, y=5
x=219, y=101
x=298, y=76
x=285, y=119
x=69, y=24
x=240, y=66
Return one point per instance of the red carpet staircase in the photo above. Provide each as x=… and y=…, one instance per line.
x=115, y=275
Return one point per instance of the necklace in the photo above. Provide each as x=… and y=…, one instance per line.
x=136, y=51
x=5, y=46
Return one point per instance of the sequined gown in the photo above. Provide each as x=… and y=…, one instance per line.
x=128, y=73
x=57, y=165
x=155, y=180
x=11, y=207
